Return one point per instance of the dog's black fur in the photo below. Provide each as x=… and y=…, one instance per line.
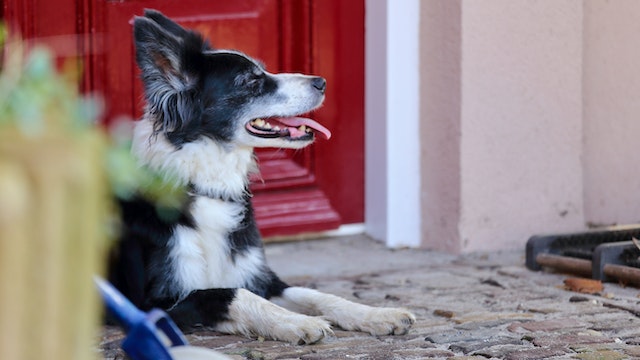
x=200, y=127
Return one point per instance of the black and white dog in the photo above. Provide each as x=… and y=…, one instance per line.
x=206, y=111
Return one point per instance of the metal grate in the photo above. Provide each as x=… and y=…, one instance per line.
x=603, y=255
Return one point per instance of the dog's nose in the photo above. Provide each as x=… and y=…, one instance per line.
x=319, y=83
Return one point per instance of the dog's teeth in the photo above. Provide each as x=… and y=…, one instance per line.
x=276, y=128
x=266, y=125
x=259, y=122
x=302, y=128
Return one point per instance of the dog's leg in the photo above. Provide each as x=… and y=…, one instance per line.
x=240, y=311
x=346, y=314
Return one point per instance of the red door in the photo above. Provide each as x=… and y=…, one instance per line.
x=315, y=189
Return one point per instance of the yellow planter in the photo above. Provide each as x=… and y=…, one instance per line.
x=53, y=199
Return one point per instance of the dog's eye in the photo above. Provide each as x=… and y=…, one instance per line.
x=257, y=77
x=255, y=81
x=248, y=79
x=252, y=79
x=258, y=74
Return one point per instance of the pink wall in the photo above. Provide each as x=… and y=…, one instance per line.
x=612, y=111
x=440, y=90
x=528, y=119
x=502, y=122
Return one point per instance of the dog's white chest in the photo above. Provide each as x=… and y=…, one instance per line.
x=201, y=256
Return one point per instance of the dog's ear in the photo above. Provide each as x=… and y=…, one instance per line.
x=165, y=23
x=171, y=26
x=168, y=80
x=157, y=51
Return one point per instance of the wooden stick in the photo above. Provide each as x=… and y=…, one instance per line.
x=565, y=263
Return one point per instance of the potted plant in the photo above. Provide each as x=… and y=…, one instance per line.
x=53, y=205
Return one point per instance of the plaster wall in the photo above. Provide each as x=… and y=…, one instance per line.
x=501, y=122
x=521, y=121
x=528, y=116
x=611, y=111
x=440, y=90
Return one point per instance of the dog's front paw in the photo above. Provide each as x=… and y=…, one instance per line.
x=387, y=321
x=349, y=315
x=252, y=315
x=301, y=329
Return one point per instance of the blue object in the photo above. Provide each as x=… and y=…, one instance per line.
x=149, y=335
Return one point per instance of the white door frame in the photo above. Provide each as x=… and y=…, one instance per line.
x=392, y=142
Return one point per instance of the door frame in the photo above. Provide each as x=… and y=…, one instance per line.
x=392, y=122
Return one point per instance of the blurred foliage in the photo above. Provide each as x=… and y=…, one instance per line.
x=128, y=179
x=37, y=99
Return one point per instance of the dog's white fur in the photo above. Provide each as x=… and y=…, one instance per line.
x=346, y=314
x=196, y=252
x=252, y=315
x=214, y=170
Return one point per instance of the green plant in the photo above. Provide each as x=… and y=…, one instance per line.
x=36, y=98
x=128, y=179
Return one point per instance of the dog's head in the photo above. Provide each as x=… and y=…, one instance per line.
x=193, y=91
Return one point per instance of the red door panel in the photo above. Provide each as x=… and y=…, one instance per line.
x=314, y=189
x=229, y=24
x=338, y=54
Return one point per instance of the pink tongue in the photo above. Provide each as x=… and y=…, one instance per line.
x=295, y=122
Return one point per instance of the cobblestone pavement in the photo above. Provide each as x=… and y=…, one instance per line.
x=468, y=307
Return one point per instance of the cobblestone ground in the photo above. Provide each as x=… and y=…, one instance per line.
x=468, y=307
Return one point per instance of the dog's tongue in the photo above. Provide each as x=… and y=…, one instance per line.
x=294, y=122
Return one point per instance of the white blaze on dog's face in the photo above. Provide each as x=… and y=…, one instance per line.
x=194, y=91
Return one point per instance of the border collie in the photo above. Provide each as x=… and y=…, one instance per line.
x=206, y=110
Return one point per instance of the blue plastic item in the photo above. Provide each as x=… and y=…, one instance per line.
x=149, y=335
